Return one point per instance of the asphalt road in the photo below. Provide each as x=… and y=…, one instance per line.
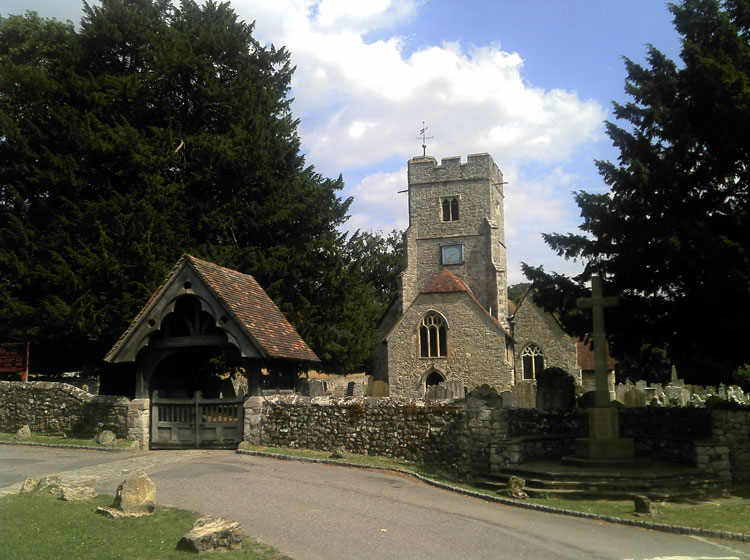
x=312, y=511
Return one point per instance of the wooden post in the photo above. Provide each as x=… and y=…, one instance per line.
x=197, y=420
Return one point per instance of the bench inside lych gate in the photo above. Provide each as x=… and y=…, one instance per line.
x=196, y=422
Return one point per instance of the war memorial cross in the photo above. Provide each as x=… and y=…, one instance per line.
x=597, y=302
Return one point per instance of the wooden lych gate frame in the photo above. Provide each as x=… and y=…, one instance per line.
x=232, y=312
x=196, y=422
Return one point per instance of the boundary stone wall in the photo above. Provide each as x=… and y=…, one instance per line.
x=475, y=437
x=57, y=409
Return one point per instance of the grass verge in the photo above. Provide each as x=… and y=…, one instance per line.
x=52, y=440
x=41, y=527
x=726, y=514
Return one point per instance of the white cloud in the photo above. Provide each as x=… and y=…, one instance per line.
x=378, y=204
x=374, y=96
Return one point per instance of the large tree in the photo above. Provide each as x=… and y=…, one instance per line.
x=150, y=131
x=672, y=235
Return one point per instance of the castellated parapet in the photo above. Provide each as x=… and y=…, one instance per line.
x=475, y=189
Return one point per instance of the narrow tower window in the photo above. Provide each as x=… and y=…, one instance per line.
x=450, y=209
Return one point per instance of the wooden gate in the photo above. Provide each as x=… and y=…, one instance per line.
x=196, y=422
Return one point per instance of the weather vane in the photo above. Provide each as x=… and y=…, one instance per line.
x=423, y=137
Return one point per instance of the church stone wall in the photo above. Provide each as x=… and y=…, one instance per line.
x=476, y=347
x=532, y=325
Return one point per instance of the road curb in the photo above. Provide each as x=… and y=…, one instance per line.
x=66, y=446
x=676, y=529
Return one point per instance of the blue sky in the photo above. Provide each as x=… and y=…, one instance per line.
x=529, y=81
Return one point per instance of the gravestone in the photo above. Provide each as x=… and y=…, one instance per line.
x=524, y=394
x=555, y=390
x=303, y=387
x=634, y=397
x=379, y=389
x=506, y=399
x=436, y=393
x=316, y=388
x=456, y=389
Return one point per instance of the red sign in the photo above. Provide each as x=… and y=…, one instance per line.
x=12, y=357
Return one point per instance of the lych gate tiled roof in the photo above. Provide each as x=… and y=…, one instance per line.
x=255, y=311
x=248, y=305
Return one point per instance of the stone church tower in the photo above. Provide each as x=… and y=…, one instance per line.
x=456, y=221
x=450, y=319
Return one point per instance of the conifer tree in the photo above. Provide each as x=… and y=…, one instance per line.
x=150, y=131
x=672, y=236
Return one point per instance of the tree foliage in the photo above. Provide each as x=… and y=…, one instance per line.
x=151, y=131
x=672, y=236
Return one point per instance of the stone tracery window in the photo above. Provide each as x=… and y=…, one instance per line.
x=432, y=336
x=532, y=360
x=450, y=209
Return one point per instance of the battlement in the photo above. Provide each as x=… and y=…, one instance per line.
x=424, y=169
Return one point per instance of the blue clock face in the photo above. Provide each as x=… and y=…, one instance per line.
x=452, y=254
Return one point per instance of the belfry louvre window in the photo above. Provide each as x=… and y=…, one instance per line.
x=533, y=361
x=450, y=209
x=432, y=337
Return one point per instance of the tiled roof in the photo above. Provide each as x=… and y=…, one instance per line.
x=250, y=307
x=585, y=349
x=445, y=281
x=255, y=311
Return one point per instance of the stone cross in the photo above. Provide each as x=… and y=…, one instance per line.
x=597, y=302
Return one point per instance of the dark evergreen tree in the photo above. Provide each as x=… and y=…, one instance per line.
x=152, y=131
x=672, y=236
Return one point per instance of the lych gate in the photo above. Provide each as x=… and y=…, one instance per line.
x=204, y=320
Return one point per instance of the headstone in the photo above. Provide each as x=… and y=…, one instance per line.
x=379, y=389
x=211, y=534
x=635, y=397
x=436, y=393
x=455, y=388
x=555, y=390
x=316, y=388
x=339, y=391
x=136, y=494
x=303, y=387
x=24, y=432
x=644, y=506
x=524, y=394
x=106, y=437
x=506, y=399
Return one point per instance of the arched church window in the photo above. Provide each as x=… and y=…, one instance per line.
x=532, y=360
x=450, y=209
x=432, y=337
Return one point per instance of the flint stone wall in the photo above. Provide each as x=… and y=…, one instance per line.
x=473, y=437
x=57, y=409
x=453, y=436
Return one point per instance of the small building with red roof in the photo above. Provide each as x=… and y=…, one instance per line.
x=202, y=311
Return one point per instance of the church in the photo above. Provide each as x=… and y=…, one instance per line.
x=452, y=319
